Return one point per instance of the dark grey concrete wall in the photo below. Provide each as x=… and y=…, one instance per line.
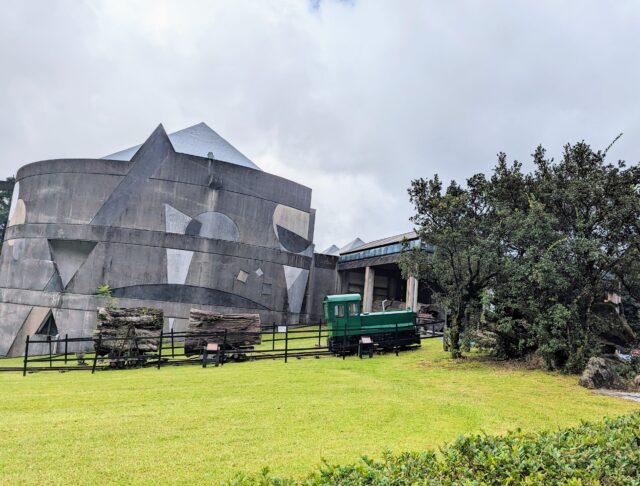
x=323, y=282
x=164, y=230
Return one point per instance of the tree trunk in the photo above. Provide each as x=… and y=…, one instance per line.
x=455, y=331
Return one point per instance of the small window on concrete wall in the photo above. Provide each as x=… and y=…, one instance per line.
x=48, y=326
x=339, y=310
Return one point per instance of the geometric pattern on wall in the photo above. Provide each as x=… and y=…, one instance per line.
x=215, y=225
x=10, y=326
x=34, y=320
x=55, y=283
x=291, y=227
x=296, y=279
x=149, y=157
x=186, y=294
x=48, y=326
x=19, y=214
x=210, y=224
x=175, y=221
x=178, y=263
x=14, y=199
x=69, y=256
x=290, y=240
x=17, y=209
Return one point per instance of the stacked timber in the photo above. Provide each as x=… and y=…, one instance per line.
x=127, y=331
x=234, y=331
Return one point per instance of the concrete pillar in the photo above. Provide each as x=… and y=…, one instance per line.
x=412, y=293
x=367, y=298
x=343, y=282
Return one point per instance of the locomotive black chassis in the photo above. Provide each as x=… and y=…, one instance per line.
x=386, y=341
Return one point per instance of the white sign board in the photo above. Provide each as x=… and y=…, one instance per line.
x=282, y=328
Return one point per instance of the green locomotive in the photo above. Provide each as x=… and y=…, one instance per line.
x=346, y=324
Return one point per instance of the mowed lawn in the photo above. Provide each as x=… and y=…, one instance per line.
x=197, y=426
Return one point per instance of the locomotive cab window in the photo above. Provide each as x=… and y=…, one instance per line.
x=339, y=310
x=354, y=309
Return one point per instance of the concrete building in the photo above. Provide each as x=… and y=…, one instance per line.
x=371, y=269
x=183, y=220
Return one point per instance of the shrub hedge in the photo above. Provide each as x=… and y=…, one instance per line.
x=603, y=453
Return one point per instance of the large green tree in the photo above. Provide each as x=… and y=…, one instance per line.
x=549, y=246
x=468, y=250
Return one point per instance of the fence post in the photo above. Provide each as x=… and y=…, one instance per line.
x=50, y=362
x=204, y=355
x=344, y=342
x=286, y=343
x=273, y=337
x=224, y=343
x=396, y=343
x=95, y=355
x=66, y=343
x=173, y=353
x=319, y=332
x=160, y=347
x=26, y=356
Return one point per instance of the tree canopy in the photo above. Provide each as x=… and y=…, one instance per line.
x=534, y=260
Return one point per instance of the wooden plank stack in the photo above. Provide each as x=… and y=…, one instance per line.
x=116, y=327
x=242, y=330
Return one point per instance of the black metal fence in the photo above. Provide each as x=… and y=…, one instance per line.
x=169, y=349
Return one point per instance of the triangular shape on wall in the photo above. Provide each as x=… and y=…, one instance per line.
x=144, y=163
x=175, y=221
x=48, y=326
x=296, y=279
x=178, y=263
x=69, y=255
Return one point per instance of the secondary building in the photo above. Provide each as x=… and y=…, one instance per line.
x=371, y=270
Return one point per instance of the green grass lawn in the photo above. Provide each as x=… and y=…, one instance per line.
x=195, y=426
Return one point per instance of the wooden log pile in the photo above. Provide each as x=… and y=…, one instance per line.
x=242, y=330
x=117, y=328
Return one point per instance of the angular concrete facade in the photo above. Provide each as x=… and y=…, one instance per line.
x=163, y=229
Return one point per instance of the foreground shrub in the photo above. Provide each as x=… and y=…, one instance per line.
x=606, y=453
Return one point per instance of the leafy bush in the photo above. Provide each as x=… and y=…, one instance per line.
x=628, y=370
x=104, y=290
x=605, y=453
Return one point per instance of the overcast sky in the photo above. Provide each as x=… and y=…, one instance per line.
x=353, y=99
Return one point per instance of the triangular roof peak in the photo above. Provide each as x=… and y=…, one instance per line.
x=198, y=140
x=332, y=250
x=352, y=245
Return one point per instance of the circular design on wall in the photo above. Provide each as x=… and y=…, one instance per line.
x=212, y=224
x=291, y=227
x=19, y=214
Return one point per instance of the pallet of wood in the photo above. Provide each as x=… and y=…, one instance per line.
x=235, y=331
x=123, y=332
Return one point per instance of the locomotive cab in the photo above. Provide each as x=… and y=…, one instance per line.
x=339, y=309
